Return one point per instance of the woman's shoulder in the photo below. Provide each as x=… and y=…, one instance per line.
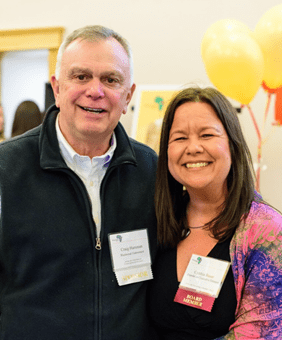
x=261, y=230
x=263, y=214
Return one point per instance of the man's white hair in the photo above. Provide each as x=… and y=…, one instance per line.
x=94, y=33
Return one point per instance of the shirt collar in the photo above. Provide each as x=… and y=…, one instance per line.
x=71, y=156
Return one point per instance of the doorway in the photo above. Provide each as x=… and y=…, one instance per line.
x=27, y=63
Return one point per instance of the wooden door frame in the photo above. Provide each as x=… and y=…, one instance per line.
x=48, y=38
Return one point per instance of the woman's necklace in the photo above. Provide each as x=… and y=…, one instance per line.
x=199, y=227
x=186, y=232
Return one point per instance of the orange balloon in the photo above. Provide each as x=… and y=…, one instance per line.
x=221, y=27
x=268, y=34
x=267, y=89
x=235, y=64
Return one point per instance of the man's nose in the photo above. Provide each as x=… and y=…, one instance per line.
x=95, y=89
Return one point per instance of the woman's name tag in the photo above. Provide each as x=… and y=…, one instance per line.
x=202, y=281
x=131, y=258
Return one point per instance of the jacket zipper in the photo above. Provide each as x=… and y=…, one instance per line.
x=98, y=244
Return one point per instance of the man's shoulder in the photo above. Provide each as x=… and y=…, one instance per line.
x=138, y=146
x=134, y=149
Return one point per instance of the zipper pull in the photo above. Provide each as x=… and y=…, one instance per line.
x=98, y=244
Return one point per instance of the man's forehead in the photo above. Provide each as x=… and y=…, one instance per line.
x=108, y=50
x=110, y=42
x=104, y=55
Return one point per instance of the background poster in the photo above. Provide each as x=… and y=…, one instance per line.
x=151, y=103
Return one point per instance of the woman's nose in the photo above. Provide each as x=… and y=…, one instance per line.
x=193, y=146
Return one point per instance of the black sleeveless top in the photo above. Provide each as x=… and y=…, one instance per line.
x=175, y=321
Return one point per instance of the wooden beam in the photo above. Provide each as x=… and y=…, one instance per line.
x=31, y=39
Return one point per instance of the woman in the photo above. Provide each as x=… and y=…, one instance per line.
x=206, y=205
x=27, y=117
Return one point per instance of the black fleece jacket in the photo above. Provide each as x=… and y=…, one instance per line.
x=54, y=284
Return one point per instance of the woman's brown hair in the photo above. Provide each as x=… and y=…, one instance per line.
x=27, y=117
x=170, y=199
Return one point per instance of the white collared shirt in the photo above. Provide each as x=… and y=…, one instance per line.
x=90, y=171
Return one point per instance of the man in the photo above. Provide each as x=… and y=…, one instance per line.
x=76, y=204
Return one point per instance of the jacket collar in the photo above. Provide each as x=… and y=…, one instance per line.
x=50, y=156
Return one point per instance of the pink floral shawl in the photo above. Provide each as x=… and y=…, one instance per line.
x=256, y=256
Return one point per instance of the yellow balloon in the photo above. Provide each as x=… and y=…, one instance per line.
x=268, y=34
x=221, y=27
x=234, y=63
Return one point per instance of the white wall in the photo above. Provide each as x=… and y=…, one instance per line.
x=23, y=77
x=165, y=36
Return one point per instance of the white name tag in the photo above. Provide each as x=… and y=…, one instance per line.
x=202, y=282
x=131, y=256
x=205, y=275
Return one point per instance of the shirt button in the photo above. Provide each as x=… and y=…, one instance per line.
x=91, y=183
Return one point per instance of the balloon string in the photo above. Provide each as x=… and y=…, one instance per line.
x=269, y=95
x=259, y=147
x=272, y=131
x=254, y=121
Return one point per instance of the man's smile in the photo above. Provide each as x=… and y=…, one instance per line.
x=89, y=109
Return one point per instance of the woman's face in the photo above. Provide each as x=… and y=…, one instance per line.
x=198, y=148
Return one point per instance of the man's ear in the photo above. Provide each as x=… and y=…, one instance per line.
x=129, y=96
x=55, y=87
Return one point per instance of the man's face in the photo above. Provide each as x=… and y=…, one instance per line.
x=93, y=90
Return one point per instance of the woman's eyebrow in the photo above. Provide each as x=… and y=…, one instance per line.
x=208, y=127
x=213, y=127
